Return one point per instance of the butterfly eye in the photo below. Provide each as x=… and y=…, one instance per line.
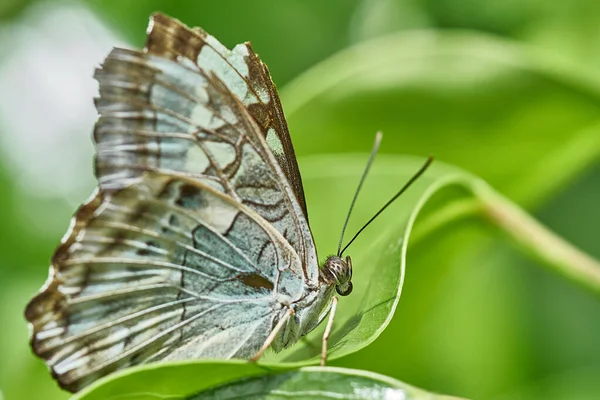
x=346, y=291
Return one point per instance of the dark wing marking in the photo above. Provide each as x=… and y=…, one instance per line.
x=169, y=38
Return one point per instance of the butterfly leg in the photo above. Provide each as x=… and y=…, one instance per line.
x=327, y=332
x=272, y=335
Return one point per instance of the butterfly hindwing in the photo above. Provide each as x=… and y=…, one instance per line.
x=155, y=273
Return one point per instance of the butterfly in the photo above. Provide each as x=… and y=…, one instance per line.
x=196, y=243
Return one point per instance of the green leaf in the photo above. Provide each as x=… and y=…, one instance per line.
x=379, y=255
x=524, y=120
x=234, y=380
x=317, y=383
x=159, y=381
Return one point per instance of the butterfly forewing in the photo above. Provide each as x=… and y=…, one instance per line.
x=197, y=236
x=250, y=81
x=176, y=118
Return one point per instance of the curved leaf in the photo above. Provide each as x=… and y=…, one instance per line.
x=235, y=380
x=318, y=383
x=379, y=255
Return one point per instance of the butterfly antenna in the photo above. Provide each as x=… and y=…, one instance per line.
x=390, y=201
x=378, y=138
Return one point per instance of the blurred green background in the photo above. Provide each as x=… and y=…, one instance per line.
x=507, y=89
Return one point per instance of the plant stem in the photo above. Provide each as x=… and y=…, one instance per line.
x=454, y=211
x=538, y=240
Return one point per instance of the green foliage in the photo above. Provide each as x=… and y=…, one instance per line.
x=525, y=122
x=258, y=383
x=520, y=119
x=477, y=317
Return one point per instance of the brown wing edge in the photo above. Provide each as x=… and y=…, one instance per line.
x=49, y=303
x=170, y=38
x=288, y=161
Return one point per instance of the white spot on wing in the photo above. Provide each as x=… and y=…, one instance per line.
x=201, y=116
x=211, y=61
x=241, y=49
x=263, y=94
x=218, y=214
x=222, y=153
x=196, y=160
x=231, y=67
x=201, y=94
x=274, y=142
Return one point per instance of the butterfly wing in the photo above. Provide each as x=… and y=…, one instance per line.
x=195, y=237
x=155, y=272
x=233, y=76
x=253, y=85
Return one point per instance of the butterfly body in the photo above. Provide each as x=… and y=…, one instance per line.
x=196, y=243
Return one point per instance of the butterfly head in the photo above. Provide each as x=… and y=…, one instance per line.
x=338, y=271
